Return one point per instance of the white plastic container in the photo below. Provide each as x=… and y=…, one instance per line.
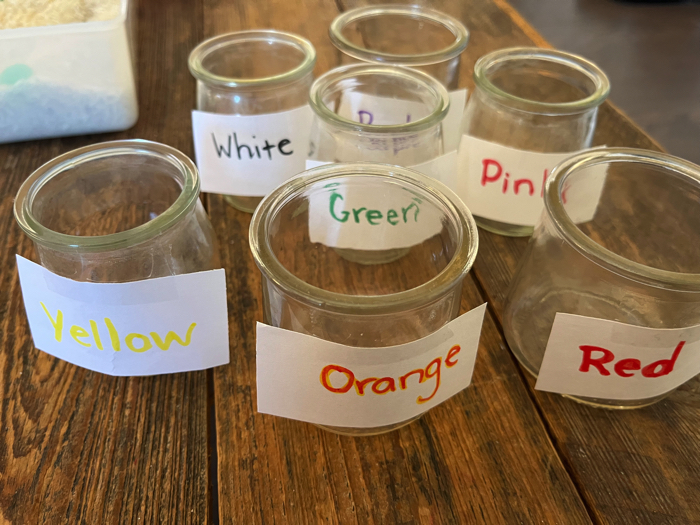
x=68, y=79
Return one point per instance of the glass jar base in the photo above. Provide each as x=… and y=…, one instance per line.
x=610, y=404
x=371, y=256
x=244, y=204
x=503, y=228
x=373, y=431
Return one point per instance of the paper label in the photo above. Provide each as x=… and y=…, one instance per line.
x=505, y=184
x=439, y=168
x=309, y=379
x=250, y=155
x=345, y=215
x=610, y=360
x=378, y=110
x=141, y=328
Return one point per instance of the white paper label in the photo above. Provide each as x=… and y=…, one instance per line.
x=439, y=168
x=250, y=155
x=342, y=215
x=610, y=360
x=309, y=379
x=141, y=328
x=505, y=184
x=378, y=110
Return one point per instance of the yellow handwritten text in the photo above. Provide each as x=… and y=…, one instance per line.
x=135, y=342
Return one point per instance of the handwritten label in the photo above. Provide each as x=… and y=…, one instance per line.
x=250, y=155
x=610, y=360
x=309, y=379
x=345, y=214
x=506, y=184
x=141, y=328
x=378, y=110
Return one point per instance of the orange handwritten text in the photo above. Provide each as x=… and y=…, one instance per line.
x=340, y=380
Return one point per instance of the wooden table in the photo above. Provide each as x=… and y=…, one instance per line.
x=81, y=447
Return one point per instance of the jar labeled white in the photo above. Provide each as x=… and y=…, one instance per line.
x=251, y=126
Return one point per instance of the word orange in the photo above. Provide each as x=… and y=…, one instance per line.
x=384, y=385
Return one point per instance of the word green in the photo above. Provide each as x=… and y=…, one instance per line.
x=373, y=217
x=79, y=335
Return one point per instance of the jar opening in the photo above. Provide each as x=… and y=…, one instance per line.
x=541, y=81
x=337, y=95
x=399, y=35
x=363, y=235
x=107, y=196
x=252, y=59
x=635, y=212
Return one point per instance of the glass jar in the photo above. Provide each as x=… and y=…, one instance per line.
x=531, y=100
x=379, y=114
x=255, y=72
x=637, y=261
x=398, y=35
x=118, y=212
x=311, y=289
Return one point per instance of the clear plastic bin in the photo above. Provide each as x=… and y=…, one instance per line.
x=68, y=79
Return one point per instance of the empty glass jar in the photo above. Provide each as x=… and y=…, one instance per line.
x=622, y=246
x=378, y=114
x=118, y=212
x=531, y=108
x=410, y=36
x=311, y=289
x=255, y=72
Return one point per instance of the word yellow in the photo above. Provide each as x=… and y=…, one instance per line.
x=78, y=333
x=382, y=385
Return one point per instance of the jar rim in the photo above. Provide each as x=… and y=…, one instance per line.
x=455, y=270
x=595, y=252
x=575, y=62
x=203, y=49
x=453, y=25
x=325, y=81
x=99, y=243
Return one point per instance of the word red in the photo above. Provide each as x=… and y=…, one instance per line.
x=626, y=367
x=383, y=385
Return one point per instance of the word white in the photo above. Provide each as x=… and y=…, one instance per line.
x=233, y=142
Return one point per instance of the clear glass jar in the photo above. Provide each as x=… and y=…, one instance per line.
x=118, y=212
x=311, y=289
x=402, y=35
x=636, y=262
x=339, y=135
x=253, y=72
x=537, y=100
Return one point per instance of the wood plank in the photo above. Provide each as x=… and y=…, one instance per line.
x=640, y=466
x=78, y=446
x=483, y=456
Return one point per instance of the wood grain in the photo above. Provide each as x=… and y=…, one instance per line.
x=483, y=456
x=640, y=466
x=78, y=446
x=81, y=447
